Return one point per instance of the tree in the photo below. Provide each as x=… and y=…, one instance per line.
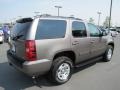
x=106, y=22
x=91, y=20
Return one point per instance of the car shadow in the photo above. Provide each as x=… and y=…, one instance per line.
x=11, y=79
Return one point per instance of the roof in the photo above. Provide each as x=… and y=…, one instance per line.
x=23, y=20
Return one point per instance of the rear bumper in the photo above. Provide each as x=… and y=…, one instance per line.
x=33, y=68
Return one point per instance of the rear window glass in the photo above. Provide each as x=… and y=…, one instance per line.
x=51, y=29
x=20, y=29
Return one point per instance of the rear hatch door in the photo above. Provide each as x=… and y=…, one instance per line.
x=19, y=35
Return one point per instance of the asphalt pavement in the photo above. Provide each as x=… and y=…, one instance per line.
x=96, y=76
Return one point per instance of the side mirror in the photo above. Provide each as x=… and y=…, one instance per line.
x=103, y=33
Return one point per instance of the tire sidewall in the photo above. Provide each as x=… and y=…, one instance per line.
x=106, y=54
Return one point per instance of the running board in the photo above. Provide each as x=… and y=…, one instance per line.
x=88, y=62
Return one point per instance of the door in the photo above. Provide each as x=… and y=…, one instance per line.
x=97, y=42
x=80, y=42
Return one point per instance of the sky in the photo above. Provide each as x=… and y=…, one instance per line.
x=84, y=9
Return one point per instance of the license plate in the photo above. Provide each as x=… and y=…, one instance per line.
x=13, y=48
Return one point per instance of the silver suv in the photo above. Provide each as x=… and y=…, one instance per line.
x=55, y=45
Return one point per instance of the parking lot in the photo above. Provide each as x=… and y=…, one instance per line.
x=96, y=76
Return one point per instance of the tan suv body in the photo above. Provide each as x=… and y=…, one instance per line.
x=56, y=45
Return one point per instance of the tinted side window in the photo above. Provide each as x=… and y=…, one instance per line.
x=94, y=32
x=51, y=29
x=78, y=29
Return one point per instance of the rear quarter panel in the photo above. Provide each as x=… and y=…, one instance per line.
x=46, y=49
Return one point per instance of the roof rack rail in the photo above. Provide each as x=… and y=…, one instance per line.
x=48, y=15
x=42, y=15
x=75, y=18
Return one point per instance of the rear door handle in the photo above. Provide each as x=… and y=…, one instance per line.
x=75, y=43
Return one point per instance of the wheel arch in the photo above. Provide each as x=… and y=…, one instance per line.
x=69, y=54
x=112, y=44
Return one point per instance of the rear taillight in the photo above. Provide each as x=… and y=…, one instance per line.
x=30, y=51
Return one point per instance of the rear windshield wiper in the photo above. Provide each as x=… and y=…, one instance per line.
x=17, y=37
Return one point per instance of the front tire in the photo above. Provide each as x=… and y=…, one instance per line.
x=61, y=70
x=108, y=54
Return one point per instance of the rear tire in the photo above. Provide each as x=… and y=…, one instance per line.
x=108, y=54
x=61, y=70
